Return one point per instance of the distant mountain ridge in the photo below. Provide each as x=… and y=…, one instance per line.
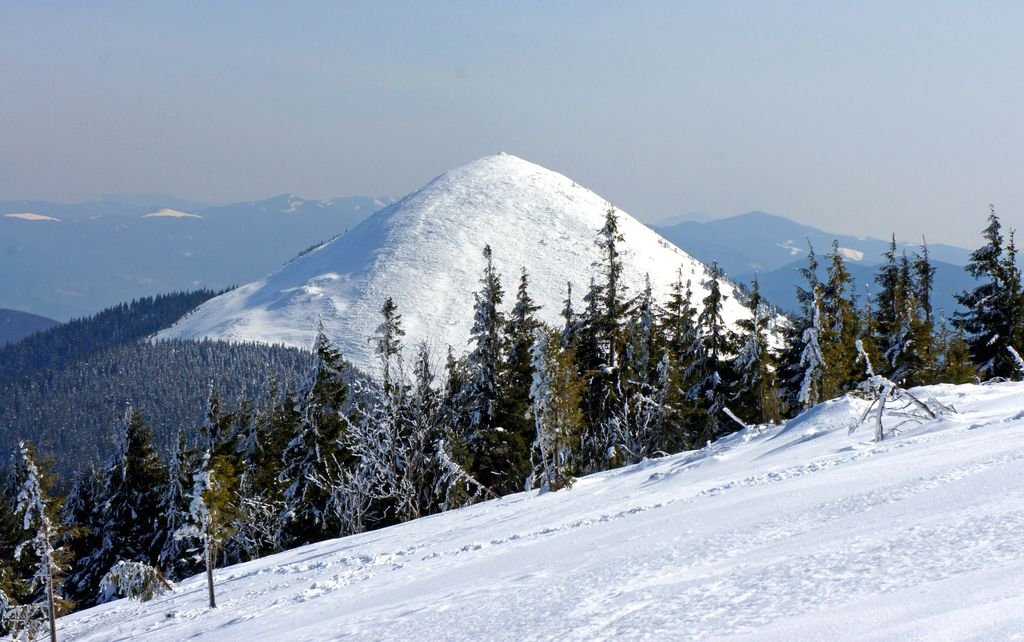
x=102, y=252
x=15, y=325
x=773, y=248
x=760, y=242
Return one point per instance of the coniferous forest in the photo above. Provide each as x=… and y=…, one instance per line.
x=218, y=454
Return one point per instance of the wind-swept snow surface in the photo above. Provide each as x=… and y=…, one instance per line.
x=800, y=532
x=425, y=251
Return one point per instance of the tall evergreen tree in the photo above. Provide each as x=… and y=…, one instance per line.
x=492, y=455
x=712, y=350
x=792, y=369
x=133, y=524
x=39, y=511
x=313, y=462
x=757, y=391
x=812, y=359
x=176, y=557
x=991, y=318
x=211, y=510
x=555, y=394
x=840, y=329
x=683, y=419
x=516, y=375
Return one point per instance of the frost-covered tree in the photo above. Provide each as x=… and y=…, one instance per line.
x=516, y=375
x=38, y=511
x=757, y=391
x=134, y=580
x=313, y=463
x=491, y=453
x=710, y=356
x=133, y=525
x=176, y=556
x=840, y=328
x=638, y=427
x=791, y=367
x=812, y=361
x=683, y=418
x=211, y=512
x=991, y=317
x=83, y=519
x=555, y=395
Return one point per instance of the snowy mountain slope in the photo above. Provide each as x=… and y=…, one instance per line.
x=798, y=532
x=425, y=252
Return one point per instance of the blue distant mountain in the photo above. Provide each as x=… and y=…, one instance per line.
x=15, y=325
x=774, y=247
x=64, y=260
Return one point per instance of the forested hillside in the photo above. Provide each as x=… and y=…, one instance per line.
x=79, y=338
x=75, y=412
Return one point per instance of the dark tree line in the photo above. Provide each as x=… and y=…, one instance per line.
x=78, y=339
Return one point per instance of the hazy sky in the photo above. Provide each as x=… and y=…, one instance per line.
x=857, y=117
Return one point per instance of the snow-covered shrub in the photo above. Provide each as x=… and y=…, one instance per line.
x=134, y=580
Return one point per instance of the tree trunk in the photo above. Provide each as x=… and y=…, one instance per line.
x=50, y=606
x=209, y=575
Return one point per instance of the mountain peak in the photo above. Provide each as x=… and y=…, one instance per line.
x=424, y=251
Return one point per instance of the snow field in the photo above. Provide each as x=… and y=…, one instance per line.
x=796, y=532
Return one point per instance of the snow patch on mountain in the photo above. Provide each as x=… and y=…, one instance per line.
x=425, y=251
x=30, y=216
x=801, y=532
x=167, y=212
x=851, y=254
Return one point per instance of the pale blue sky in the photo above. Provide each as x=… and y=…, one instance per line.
x=858, y=117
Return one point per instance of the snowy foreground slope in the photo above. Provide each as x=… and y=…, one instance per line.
x=425, y=251
x=799, y=532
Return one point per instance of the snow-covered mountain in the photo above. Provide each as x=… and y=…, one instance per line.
x=425, y=251
x=800, y=532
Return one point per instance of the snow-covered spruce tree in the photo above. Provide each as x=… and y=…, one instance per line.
x=377, y=490
x=991, y=316
x=176, y=557
x=82, y=518
x=569, y=320
x=639, y=426
x=211, y=512
x=812, y=361
x=39, y=512
x=791, y=370
x=15, y=590
x=840, y=328
x=903, y=335
x=430, y=481
x=133, y=528
x=757, y=390
x=314, y=463
x=258, y=493
x=684, y=420
x=556, y=392
x=710, y=367
x=134, y=580
x=516, y=376
x=600, y=347
x=492, y=453
x=888, y=307
x=612, y=311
